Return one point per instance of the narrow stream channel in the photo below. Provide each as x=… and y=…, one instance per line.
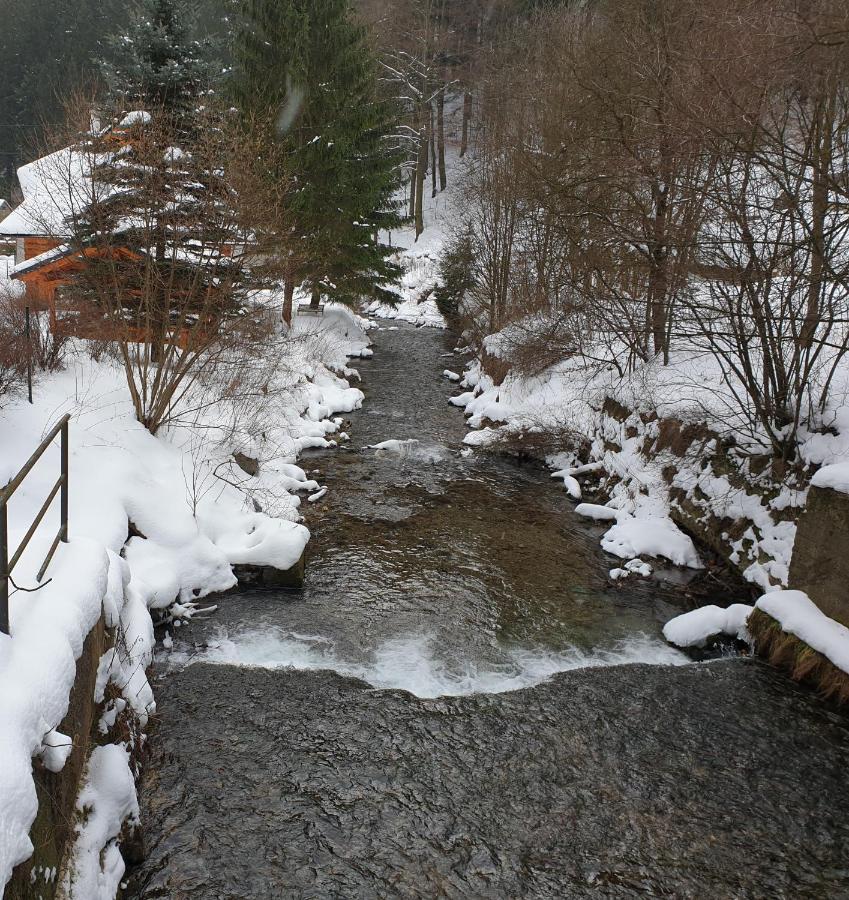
x=460, y=704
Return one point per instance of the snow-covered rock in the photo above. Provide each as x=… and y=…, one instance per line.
x=835, y=476
x=596, y=512
x=631, y=537
x=696, y=628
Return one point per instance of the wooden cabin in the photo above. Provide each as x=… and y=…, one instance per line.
x=54, y=189
x=38, y=225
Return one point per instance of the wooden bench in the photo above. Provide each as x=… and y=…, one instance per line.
x=307, y=309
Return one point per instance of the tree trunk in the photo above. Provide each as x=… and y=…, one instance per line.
x=432, y=155
x=288, y=294
x=315, y=300
x=821, y=165
x=413, y=180
x=440, y=137
x=658, y=286
x=421, y=171
x=467, y=115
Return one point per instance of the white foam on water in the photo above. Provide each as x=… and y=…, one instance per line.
x=409, y=663
x=412, y=450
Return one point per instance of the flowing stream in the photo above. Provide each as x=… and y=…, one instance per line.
x=461, y=704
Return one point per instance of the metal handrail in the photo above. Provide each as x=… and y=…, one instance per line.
x=61, y=484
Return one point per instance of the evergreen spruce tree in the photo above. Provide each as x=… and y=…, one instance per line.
x=306, y=69
x=161, y=228
x=157, y=62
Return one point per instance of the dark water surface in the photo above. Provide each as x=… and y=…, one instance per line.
x=444, y=712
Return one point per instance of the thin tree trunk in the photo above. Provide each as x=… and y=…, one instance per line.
x=440, y=137
x=413, y=180
x=421, y=171
x=432, y=154
x=315, y=300
x=658, y=286
x=821, y=152
x=467, y=115
x=288, y=294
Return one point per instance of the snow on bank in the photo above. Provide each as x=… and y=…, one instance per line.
x=37, y=671
x=639, y=506
x=194, y=514
x=423, y=313
x=794, y=611
x=411, y=663
x=106, y=802
x=798, y=615
x=569, y=398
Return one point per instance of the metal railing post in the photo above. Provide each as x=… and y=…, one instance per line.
x=4, y=568
x=64, y=495
x=9, y=561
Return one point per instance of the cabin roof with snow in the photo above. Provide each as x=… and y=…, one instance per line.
x=56, y=187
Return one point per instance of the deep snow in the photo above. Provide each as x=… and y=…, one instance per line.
x=194, y=515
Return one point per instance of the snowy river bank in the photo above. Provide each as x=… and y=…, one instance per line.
x=461, y=703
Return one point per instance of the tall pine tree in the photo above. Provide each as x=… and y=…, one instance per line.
x=304, y=68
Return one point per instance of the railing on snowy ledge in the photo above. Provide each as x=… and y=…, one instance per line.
x=8, y=564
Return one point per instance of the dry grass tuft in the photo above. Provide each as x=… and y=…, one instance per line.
x=803, y=663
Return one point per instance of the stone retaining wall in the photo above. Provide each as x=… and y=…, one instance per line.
x=37, y=878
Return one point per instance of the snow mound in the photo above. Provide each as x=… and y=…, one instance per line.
x=481, y=438
x=631, y=537
x=696, y=628
x=835, y=476
x=596, y=512
x=570, y=483
x=136, y=117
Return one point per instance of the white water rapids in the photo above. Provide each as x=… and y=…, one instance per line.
x=410, y=663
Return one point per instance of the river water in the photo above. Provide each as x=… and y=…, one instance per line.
x=461, y=704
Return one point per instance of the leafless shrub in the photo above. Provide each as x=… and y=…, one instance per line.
x=13, y=348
